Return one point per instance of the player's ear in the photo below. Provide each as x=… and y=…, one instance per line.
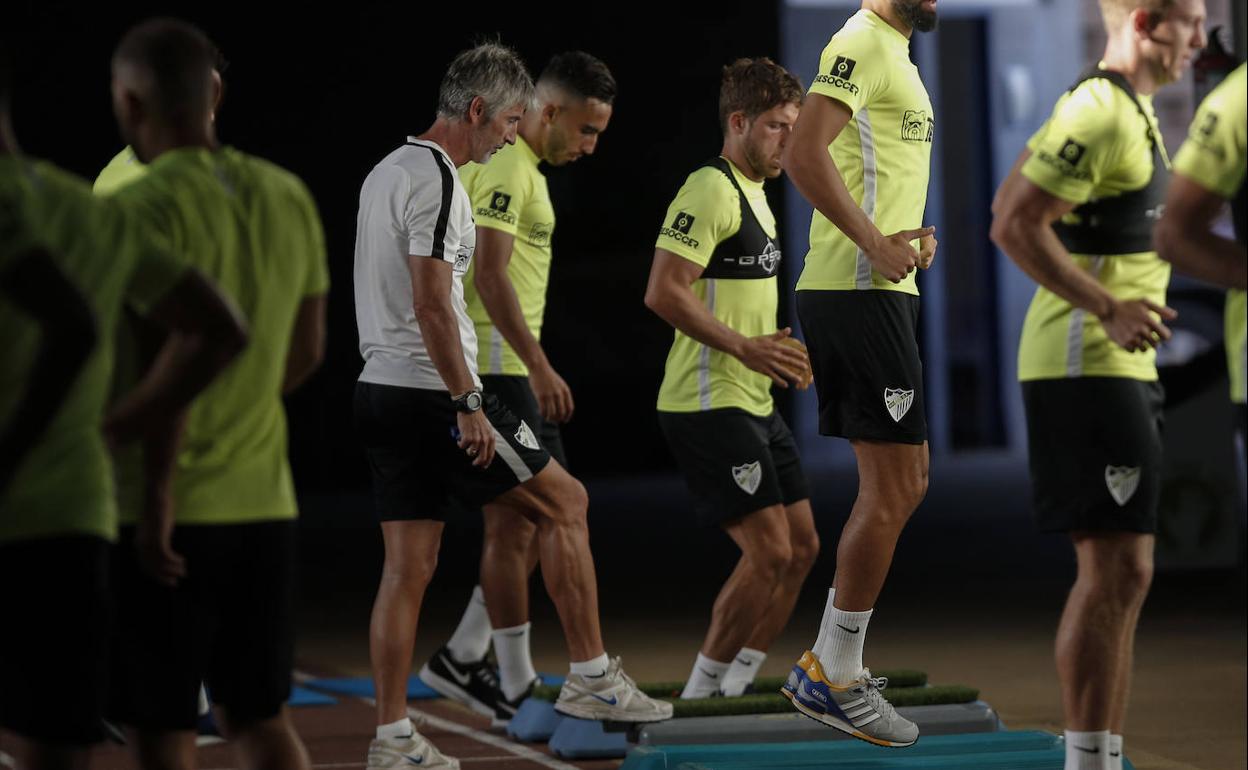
x=218, y=90
x=737, y=122
x=476, y=110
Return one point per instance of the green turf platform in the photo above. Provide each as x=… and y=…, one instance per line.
x=897, y=679
x=1017, y=750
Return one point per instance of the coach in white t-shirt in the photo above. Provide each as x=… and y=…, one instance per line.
x=436, y=444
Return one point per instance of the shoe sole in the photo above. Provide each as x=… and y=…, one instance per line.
x=605, y=713
x=837, y=724
x=449, y=689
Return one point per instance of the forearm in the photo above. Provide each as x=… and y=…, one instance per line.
x=681, y=309
x=503, y=307
x=1036, y=249
x=1204, y=254
x=440, y=330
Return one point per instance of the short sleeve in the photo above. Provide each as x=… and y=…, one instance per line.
x=705, y=212
x=317, y=280
x=498, y=191
x=427, y=204
x=1077, y=144
x=852, y=69
x=1214, y=154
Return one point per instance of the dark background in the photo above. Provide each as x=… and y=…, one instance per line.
x=328, y=93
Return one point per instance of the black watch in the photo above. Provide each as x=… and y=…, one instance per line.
x=469, y=402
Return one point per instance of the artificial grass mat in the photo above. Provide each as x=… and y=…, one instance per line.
x=764, y=685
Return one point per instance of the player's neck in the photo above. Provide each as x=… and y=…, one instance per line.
x=735, y=153
x=884, y=9
x=162, y=139
x=531, y=132
x=1122, y=55
x=454, y=137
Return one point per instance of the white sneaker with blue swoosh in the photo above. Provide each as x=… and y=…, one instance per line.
x=408, y=752
x=612, y=697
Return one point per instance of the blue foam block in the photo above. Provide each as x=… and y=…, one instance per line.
x=362, y=686
x=585, y=739
x=535, y=721
x=302, y=696
x=1014, y=750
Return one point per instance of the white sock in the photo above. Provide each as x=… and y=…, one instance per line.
x=742, y=671
x=1087, y=751
x=515, y=664
x=400, y=729
x=592, y=668
x=841, y=651
x=471, y=640
x=706, y=678
x=827, y=610
x=204, y=706
x=1115, y=752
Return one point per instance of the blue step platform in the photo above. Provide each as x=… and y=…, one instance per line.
x=1009, y=750
x=362, y=686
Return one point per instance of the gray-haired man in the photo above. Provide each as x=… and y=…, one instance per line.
x=436, y=443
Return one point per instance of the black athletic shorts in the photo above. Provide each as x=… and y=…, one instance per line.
x=419, y=469
x=516, y=394
x=865, y=357
x=1095, y=452
x=54, y=642
x=734, y=462
x=229, y=623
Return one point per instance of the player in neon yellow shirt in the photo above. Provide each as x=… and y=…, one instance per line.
x=255, y=229
x=1209, y=172
x=860, y=153
x=68, y=263
x=1076, y=213
x=714, y=278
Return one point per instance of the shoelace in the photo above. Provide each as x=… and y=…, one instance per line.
x=872, y=695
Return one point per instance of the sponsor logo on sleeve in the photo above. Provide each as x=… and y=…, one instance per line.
x=539, y=234
x=1067, y=159
x=500, y=203
x=839, y=74
x=679, y=229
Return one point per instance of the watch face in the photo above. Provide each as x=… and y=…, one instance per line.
x=473, y=401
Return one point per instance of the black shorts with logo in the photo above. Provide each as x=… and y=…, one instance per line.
x=419, y=469
x=229, y=623
x=735, y=462
x=54, y=644
x=864, y=353
x=515, y=393
x=1095, y=453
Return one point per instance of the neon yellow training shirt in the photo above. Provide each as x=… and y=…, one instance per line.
x=883, y=153
x=1095, y=145
x=64, y=485
x=509, y=194
x=705, y=213
x=253, y=228
x=1214, y=156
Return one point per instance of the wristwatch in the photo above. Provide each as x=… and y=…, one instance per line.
x=469, y=402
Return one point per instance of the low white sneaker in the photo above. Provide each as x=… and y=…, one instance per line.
x=611, y=697
x=408, y=752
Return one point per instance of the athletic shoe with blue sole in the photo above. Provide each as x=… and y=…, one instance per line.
x=610, y=697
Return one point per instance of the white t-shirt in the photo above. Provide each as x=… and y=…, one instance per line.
x=412, y=203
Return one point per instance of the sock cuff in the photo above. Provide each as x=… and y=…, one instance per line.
x=854, y=616
x=478, y=595
x=399, y=729
x=715, y=666
x=1091, y=735
x=523, y=628
x=752, y=655
x=592, y=666
x=1115, y=742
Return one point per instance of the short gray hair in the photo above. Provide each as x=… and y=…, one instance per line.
x=490, y=70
